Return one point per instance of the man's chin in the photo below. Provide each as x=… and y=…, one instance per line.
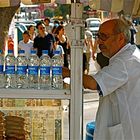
x=104, y=54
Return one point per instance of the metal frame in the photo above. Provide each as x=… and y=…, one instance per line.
x=32, y=94
x=76, y=102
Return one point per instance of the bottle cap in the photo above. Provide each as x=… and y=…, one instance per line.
x=33, y=51
x=45, y=51
x=56, y=52
x=10, y=51
x=21, y=51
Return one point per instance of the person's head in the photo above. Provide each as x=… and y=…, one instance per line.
x=40, y=27
x=62, y=23
x=113, y=35
x=31, y=29
x=59, y=30
x=56, y=23
x=26, y=36
x=47, y=21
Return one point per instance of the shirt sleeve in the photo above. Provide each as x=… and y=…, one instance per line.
x=112, y=77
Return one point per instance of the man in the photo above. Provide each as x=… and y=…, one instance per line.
x=43, y=41
x=26, y=44
x=47, y=25
x=118, y=115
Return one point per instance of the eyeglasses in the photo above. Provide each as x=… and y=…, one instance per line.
x=104, y=37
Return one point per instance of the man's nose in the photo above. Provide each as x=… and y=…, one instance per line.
x=100, y=42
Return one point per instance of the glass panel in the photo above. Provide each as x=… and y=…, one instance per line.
x=34, y=119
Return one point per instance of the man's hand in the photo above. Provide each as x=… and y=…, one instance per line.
x=88, y=81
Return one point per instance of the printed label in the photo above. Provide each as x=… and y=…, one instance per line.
x=57, y=70
x=1, y=69
x=44, y=70
x=21, y=70
x=10, y=69
x=33, y=70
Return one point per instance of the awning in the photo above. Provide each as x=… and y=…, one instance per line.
x=130, y=7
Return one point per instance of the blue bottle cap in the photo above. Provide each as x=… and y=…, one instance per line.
x=45, y=51
x=33, y=51
x=21, y=51
x=10, y=51
x=0, y=51
x=56, y=52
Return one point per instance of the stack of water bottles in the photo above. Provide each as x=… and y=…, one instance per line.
x=32, y=73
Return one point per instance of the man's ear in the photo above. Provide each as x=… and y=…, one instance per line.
x=122, y=39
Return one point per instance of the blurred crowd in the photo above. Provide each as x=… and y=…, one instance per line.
x=44, y=37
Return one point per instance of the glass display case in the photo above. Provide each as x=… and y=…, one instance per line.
x=31, y=119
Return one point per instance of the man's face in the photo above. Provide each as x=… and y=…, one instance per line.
x=41, y=29
x=109, y=42
x=26, y=38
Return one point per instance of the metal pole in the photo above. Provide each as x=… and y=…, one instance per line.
x=76, y=102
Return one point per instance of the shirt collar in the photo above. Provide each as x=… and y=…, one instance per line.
x=41, y=36
x=121, y=50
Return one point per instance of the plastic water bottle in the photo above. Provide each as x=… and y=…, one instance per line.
x=10, y=70
x=57, y=63
x=2, y=83
x=45, y=64
x=22, y=80
x=33, y=66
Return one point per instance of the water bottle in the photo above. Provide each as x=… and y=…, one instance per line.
x=33, y=66
x=1, y=70
x=57, y=63
x=10, y=78
x=22, y=80
x=45, y=64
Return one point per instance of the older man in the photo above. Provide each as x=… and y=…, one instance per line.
x=118, y=115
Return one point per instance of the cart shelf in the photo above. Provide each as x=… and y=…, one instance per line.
x=32, y=93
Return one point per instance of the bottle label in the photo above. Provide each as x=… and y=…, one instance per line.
x=44, y=70
x=10, y=69
x=1, y=69
x=33, y=70
x=21, y=70
x=57, y=70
